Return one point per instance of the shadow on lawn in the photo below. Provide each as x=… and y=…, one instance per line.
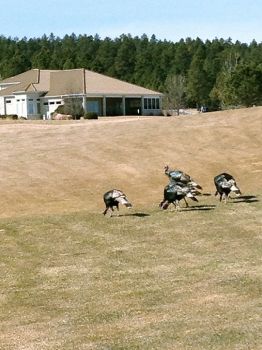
x=199, y=207
x=246, y=199
x=139, y=215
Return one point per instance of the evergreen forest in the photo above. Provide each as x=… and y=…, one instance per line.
x=217, y=73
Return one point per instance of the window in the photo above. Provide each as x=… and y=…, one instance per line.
x=30, y=108
x=51, y=103
x=8, y=101
x=58, y=102
x=151, y=103
x=45, y=103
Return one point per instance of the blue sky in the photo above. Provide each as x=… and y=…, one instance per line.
x=169, y=19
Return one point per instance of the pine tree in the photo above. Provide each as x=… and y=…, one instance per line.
x=197, y=87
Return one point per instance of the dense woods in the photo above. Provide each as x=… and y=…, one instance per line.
x=217, y=73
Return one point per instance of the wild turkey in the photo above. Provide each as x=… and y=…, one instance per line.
x=225, y=183
x=173, y=193
x=178, y=176
x=113, y=198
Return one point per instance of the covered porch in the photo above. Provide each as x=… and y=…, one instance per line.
x=113, y=105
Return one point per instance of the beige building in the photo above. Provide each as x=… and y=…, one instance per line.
x=37, y=93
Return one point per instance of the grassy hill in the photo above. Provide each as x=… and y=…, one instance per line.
x=49, y=168
x=148, y=279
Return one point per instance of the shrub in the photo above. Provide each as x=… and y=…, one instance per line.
x=71, y=106
x=60, y=116
x=60, y=109
x=91, y=115
x=9, y=116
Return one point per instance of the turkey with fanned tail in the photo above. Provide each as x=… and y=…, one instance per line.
x=113, y=198
x=225, y=183
x=174, y=192
x=178, y=176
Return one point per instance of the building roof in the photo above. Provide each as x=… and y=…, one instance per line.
x=31, y=76
x=67, y=82
x=99, y=83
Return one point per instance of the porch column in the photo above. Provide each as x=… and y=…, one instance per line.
x=124, y=105
x=84, y=103
x=5, y=106
x=142, y=106
x=104, y=106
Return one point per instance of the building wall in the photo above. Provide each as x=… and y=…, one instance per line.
x=10, y=105
x=32, y=106
x=21, y=105
x=27, y=105
x=2, y=105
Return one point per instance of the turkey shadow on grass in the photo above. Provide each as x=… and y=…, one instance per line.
x=199, y=207
x=139, y=215
x=245, y=199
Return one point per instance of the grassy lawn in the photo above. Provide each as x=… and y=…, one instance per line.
x=148, y=279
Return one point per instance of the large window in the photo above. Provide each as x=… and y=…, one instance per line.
x=30, y=108
x=151, y=103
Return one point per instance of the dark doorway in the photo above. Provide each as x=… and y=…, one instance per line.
x=114, y=106
x=133, y=106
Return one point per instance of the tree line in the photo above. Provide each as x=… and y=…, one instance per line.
x=217, y=73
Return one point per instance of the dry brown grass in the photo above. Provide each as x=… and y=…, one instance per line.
x=52, y=167
x=147, y=280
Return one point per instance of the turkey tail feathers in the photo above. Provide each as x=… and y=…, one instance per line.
x=124, y=201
